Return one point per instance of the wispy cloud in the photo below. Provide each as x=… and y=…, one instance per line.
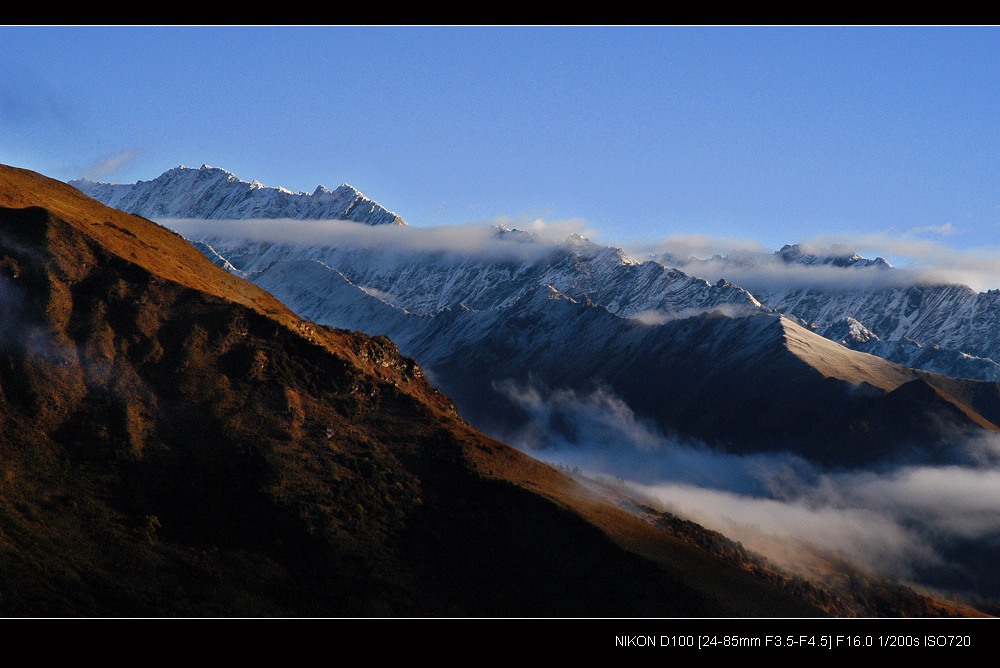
x=696, y=246
x=747, y=263
x=898, y=522
x=564, y=417
x=393, y=243
x=934, y=261
x=375, y=292
x=656, y=317
x=786, y=530
x=553, y=231
x=945, y=230
x=110, y=164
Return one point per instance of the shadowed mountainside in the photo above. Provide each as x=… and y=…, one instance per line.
x=175, y=442
x=745, y=384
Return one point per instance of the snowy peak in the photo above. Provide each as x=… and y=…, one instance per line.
x=849, y=332
x=837, y=255
x=579, y=241
x=582, y=246
x=215, y=193
x=514, y=234
x=357, y=207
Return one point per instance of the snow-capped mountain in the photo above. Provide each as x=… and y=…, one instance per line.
x=214, y=193
x=851, y=333
x=745, y=382
x=948, y=329
x=714, y=376
x=945, y=329
x=838, y=255
x=554, y=344
x=954, y=317
x=496, y=275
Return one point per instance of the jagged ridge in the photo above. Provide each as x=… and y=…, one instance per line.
x=214, y=193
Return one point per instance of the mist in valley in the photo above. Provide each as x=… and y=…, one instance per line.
x=927, y=525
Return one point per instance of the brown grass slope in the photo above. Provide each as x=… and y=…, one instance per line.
x=916, y=406
x=174, y=441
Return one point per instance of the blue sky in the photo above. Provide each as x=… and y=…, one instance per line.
x=770, y=134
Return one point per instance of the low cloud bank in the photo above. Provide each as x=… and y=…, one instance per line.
x=658, y=317
x=530, y=241
x=898, y=521
x=744, y=262
x=747, y=263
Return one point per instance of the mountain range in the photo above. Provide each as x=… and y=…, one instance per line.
x=869, y=306
x=505, y=313
x=944, y=328
x=177, y=442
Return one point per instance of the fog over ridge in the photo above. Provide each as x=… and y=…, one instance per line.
x=897, y=521
x=452, y=242
x=747, y=263
x=750, y=264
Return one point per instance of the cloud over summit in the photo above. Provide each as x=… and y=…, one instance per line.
x=915, y=261
x=445, y=243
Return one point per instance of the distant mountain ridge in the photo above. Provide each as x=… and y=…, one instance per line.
x=954, y=317
x=425, y=281
x=214, y=193
x=942, y=327
x=948, y=329
x=939, y=339
x=838, y=255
